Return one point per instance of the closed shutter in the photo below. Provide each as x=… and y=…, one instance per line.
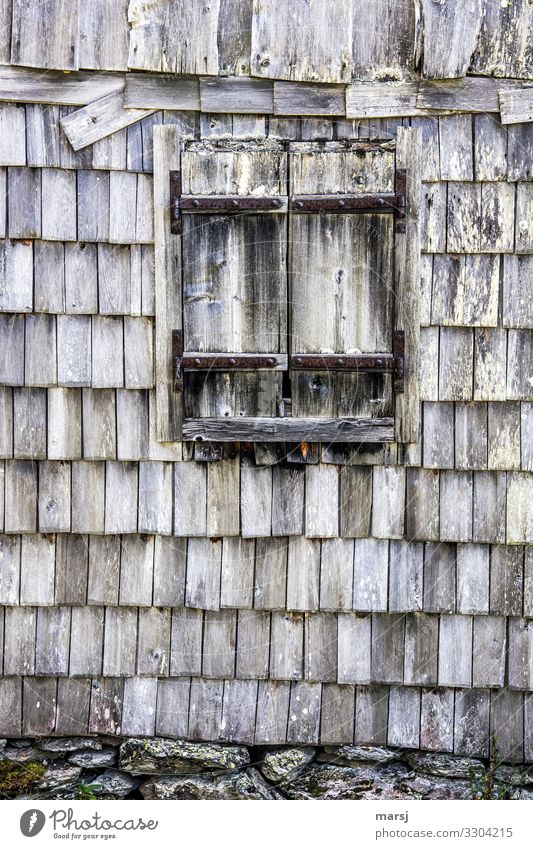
x=234, y=279
x=288, y=290
x=341, y=280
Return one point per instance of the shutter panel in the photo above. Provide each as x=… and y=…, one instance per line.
x=291, y=330
x=341, y=279
x=234, y=277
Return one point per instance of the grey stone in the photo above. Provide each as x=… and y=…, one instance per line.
x=3, y=744
x=21, y=755
x=112, y=784
x=525, y=793
x=247, y=784
x=516, y=775
x=359, y=754
x=424, y=787
x=446, y=766
x=59, y=776
x=285, y=764
x=322, y=781
x=89, y=760
x=172, y=757
x=69, y=744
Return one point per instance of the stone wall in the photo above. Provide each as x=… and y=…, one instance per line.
x=86, y=768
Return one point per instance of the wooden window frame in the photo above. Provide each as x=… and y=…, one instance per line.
x=171, y=426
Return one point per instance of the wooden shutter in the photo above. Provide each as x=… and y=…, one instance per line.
x=341, y=279
x=288, y=324
x=234, y=279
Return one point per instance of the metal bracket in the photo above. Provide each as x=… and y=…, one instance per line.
x=177, y=354
x=400, y=187
x=398, y=351
x=385, y=202
x=175, y=195
x=215, y=203
x=344, y=362
x=395, y=202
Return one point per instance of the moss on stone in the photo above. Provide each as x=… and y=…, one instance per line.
x=16, y=779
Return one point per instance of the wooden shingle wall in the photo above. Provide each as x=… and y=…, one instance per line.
x=378, y=595
x=312, y=40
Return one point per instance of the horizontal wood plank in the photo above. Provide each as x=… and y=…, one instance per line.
x=74, y=89
x=292, y=430
x=154, y=91
x=99, y=119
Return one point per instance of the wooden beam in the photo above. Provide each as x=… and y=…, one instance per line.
x=74, y=89
x=237, y=94
x=381, y=100
x=155, y=91
x=168, y=312
x=407, y=269
x=100, y=119
x=289, y=429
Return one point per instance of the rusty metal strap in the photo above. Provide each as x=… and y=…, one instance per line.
x=343, y=362
x=394, y=202
x=386, y=202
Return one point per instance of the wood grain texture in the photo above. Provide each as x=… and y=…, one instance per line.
x=272, y=712
x=104, y=35
x=45, y=35
x=354, y=649
x=238, y=711
x=382, y=100
x=371, y=571
x=234, y=37
x=387, y=658
x=303, y=574
x=384, y=39
x=450, y=32
x=336, y=575
x=421, y=649
x=455, y=650
x=76, y=89
x=404, y=716
x=504, y=46
x=436, y=719
x=304, y=712
x=160, y=40
x=167, y=284
x=99, y=119
x=136, y=570
x=407, y=292
x=290, y=430
x=299, y=44
x=151, y=91
x=241, y=95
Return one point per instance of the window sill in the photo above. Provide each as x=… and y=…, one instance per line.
x=252, y=429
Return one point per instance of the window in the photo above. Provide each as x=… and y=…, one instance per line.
x=287, y=289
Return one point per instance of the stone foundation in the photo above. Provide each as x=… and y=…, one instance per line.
x=157, y=768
